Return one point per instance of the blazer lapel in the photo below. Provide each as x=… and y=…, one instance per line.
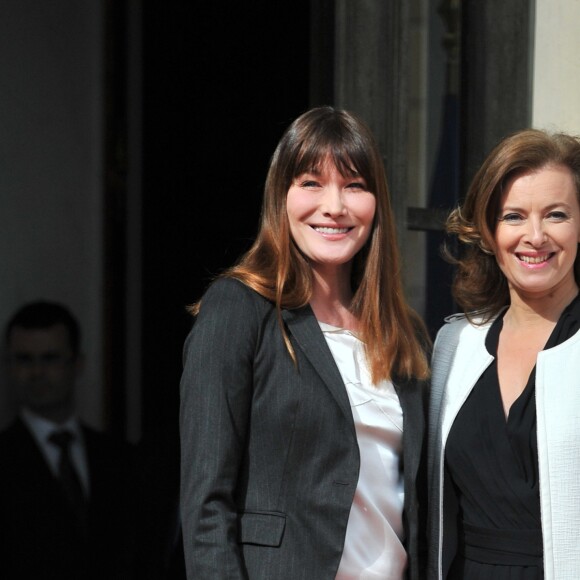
x=463, y=369
x=306, y=332
x=32, y=467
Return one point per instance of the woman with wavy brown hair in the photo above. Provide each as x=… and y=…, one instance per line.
x=303, y=366
x=505, y=403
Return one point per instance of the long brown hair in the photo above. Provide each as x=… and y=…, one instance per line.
x=275, y=268
x=480, y=287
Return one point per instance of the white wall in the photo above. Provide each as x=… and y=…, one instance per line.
x=51, y=169
x=556, y=66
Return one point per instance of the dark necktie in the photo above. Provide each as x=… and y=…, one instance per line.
x=67, y=474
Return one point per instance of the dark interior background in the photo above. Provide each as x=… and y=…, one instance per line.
x=221, y=81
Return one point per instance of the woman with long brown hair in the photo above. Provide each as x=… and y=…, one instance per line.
x=303, y=393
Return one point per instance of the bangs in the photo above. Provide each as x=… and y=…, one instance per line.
x=346, y=152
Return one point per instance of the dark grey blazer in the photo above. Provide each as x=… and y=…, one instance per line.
x=270, y=459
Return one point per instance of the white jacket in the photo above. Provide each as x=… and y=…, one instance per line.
x=459, y=359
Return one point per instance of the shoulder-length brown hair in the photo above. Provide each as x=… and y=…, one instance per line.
x=480, y=287
x=275, y=268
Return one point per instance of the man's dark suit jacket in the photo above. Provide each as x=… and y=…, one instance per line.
x=39, y=537
x=270, y=460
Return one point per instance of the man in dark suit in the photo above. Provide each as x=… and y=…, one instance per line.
x=64, y=488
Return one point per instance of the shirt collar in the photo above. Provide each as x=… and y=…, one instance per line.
x=42, y=428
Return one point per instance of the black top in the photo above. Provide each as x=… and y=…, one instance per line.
x=493, y=465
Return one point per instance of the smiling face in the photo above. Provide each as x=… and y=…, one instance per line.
x=330, y=215
x=538, y=232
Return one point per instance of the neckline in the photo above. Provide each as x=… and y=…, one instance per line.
x=492, y=338
x=330, y=329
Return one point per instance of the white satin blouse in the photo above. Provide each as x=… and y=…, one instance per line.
x=373, y=546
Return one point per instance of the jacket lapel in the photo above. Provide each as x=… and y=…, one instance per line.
x=462, y=370
x=558, y=431
x=307, y=335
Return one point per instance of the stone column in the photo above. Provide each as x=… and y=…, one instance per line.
x=496, y=86
x=370, y=78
